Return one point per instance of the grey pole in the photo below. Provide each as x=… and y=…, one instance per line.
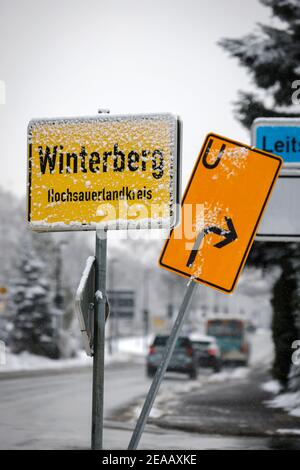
x=141, y=423
x=146, y=319
x=99, y=340
x=114, y=321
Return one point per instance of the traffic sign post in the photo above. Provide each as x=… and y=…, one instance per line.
x=100, y=173
x=99, y=340
x=231, y=184
x=224, y=182
x=158, y=378
x=282, y=137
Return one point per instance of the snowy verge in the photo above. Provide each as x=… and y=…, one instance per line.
x=128, y=349
x=295, y=432
x=273, y=386
x=29, y=362
x=168, y=399
x=290, y=402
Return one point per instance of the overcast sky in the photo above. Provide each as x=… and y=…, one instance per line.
x=70, y=57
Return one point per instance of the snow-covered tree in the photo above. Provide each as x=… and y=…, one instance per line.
x=34, y=325
x=11, y=219
x=271, y=55
x=61, y=268
x=294, y=375
x=283, y=324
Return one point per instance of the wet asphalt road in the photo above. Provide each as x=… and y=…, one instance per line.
x=52, y=411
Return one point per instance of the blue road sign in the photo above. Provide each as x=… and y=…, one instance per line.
x=280, y=136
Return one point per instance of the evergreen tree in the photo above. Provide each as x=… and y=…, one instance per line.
x=294, y=375
x=283, y=324
x=272, y=57
x=34, y=328
x=61, y=269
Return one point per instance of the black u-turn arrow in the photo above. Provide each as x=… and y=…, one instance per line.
x=212, y=166
x=229, y=236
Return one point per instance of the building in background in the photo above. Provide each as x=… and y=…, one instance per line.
x=122, y=304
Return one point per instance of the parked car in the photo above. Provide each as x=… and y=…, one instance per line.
x=183, y=360
x=208, y=351
x=231, y=336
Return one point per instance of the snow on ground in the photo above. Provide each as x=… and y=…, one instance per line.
x=238, y=373
x=289, y=431
x=262, y=347
x=128, y=349
x=289, y=402
x=178, y=385
x=272, y=386
x=29, y=362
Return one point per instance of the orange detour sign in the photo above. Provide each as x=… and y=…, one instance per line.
x=221, y=209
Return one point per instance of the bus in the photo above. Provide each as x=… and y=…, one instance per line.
x=231, y=336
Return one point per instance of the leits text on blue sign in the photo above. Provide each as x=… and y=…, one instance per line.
x=280, y=140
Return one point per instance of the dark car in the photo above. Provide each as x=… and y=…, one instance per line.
x=208, y=352
x=183, y=360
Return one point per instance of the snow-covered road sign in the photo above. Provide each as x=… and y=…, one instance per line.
x=280, y=136
x=84, y=304
x=221, y=209
x=115, y=172
x=85, y=299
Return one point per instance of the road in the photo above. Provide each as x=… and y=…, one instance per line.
x=53, y=410
x=218, y=411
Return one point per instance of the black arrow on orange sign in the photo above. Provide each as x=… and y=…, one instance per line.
x=229, y=236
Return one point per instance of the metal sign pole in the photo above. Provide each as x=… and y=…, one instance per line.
x=141, y=423
x=99, y=339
